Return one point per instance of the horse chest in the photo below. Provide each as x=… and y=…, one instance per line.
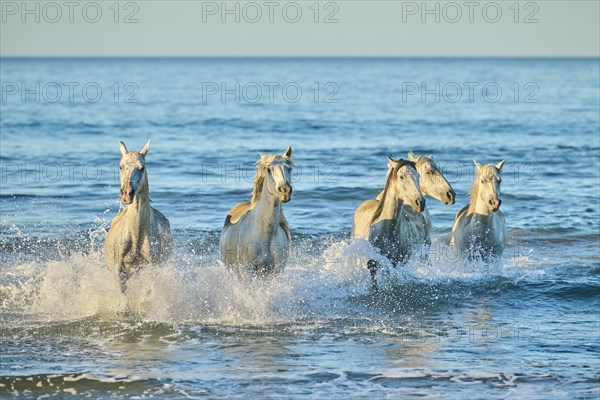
x=137, y=244
x=480, y=226
x=415, y=226
x=486, y=233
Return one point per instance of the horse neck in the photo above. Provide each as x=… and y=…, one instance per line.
x=140, y=210
x=423, y=187
x=390, y=203
x=268, y=210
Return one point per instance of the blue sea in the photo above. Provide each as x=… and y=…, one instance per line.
x=527, y=326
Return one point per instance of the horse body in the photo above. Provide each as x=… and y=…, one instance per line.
x=139, y=233
x=479, y=230
x=256, y=233
x=383, y=222
x=479, y=236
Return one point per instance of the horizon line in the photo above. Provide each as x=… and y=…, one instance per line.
x=312, y=56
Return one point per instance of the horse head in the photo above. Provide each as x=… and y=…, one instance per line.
x=433, y=182
x=276, y=170
x=132, y=172
x=405, y=179
x=487, y=185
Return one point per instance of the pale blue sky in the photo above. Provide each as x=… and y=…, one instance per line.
x=363, y=28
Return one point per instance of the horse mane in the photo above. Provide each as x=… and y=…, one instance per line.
x=259, y=179
x=475, y=188
x=473, y=193
x=420, y=158
x=392, y=173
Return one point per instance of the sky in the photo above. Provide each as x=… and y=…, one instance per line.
x=300, y=28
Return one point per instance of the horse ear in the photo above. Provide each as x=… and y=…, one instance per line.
x=411, y=156
x=391, y=161
x=288, y=152
x=123, y=148
x=144, y=151
x=500, y=165
x=430, y=156
x=477, y=164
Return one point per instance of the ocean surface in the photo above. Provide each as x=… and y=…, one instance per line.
x=527, y=326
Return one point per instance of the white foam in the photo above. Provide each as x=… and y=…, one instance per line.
x=194, y=289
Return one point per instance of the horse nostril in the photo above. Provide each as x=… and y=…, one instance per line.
x=418, y=202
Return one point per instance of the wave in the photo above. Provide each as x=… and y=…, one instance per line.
x=401, y=382
x=86, y=385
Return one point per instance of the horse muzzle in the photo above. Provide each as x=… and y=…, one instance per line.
x=449, y=197
x=285, y=193
x=495, y=203
x=419, y=205
x=127, y=195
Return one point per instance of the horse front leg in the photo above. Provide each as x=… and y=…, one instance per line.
x=372, y=267
x=424, y=257
x=123, y=277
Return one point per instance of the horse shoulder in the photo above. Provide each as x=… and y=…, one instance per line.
x=362, y=218
x=366, y=206
x=162, y=220
x=364, y=213
x=117, y=240
x=164, y=225
x=237, y=212
x=115, y=221
x=501, y=217
x=502, y=227
x=458, y=222
x=460, y=215
x=286, y=227
x=427, y=219
x=115, y=229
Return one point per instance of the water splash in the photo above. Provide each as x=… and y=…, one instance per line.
x=328, y=283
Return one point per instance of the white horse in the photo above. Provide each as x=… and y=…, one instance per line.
x=139, y=233
x=432, y=183
x=382, y=222
x=479, y=229
x=256, y=233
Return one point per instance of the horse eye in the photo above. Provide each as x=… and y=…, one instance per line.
x=429, y=172
x=120, y=167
